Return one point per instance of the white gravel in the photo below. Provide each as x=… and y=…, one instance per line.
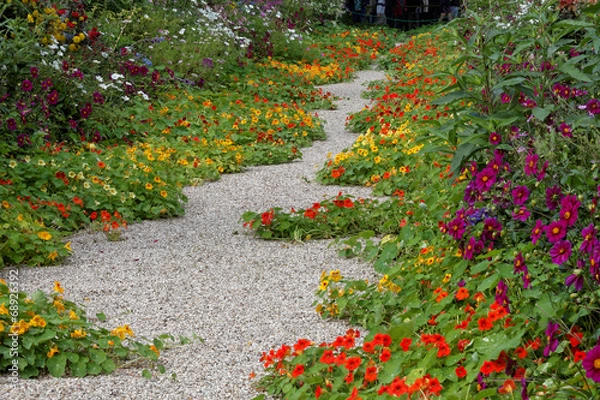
x=203, y=274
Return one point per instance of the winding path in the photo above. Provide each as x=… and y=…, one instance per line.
x=201, y=274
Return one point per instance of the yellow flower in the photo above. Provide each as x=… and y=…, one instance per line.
x=2, y=281
x=3, y=309
x=53, y=255
x=19, y=328
x=154, y=349
x=122, y=331
x=323, y=285
x=335, y=275
x=78, y=334
x=447, y=278
x=44, y=235
x=1, y=326
x=37, y=322
x=68, y=246
x=149, y=186
x=52, y=352
x=58, y=288
x=163, y=193
x=5, y=204
x=60, y=307
x=73, y=315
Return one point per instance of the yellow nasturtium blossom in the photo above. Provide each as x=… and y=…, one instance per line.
x=3, y=309
x=44, y=235
x=323, y=285
x=52, y=352
x=335, y=275
x=19, y=328
x=37, y=322
x=78, y=334
x=58, y=288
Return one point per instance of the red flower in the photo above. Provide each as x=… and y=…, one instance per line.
x=93, y=216
x=368, y=347
x=318, y=392
x=521, y=352
x=298, y=370
x=461, y=372
x=385, y=355
x=310, y=213
x=352, y=363
x=267, y=217
x=327, y=357
x=462, y=294
x=371, y=374
x=485, y=324
x=405, y=344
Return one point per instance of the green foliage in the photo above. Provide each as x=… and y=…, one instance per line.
x=44, y=334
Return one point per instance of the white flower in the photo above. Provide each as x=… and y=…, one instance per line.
x=99, y=78
x=144, y=95
x=126, y=98
x=182, y=31
x=116, y=77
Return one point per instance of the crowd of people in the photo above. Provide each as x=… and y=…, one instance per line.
x=404, y=14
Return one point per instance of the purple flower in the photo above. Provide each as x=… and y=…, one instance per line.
x=568, y=212
x=556, y=231
x=576, y=279
x=524, y=395
x=561, y=90
x=591, y=364
x=522, y=214
x=52, y=98
x=480, y=382
x=11, y=124
x=520, y=195
x=531, y=162
x=47, y=84
x=491, y=229
x=526, y=281
x=590, y=242
x=537, y=230
x=26, y=85
x=561, y=251
x=504, y=98
x=98, y=98
x=456, y=228
x=593, y=107
x=34, y=72
x=86, y=111
x=485, y=179
x=519, y=264
x=542, y=172
x=73, y=124
x=565, y=130
x=207, y=62
x=470, y=248
x=23, y=140
x=501, y=296
x=552, y=341
x=553, y=197
x=495, y=138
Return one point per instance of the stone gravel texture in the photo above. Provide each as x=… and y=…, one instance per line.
x=204, y=274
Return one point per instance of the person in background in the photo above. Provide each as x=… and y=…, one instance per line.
x=445, y=10
x=356, y=11
x=381, y=20
x=454, y=7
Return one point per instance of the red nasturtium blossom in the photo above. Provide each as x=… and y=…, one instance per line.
x=461, y=372
x=298, y=370
x=267, y=217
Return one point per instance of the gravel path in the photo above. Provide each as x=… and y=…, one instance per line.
x=202, y=274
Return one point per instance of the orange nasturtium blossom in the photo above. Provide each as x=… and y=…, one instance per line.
x=298, y=370
x=101, y=164
x=53, y=351
x=44, y=235
x=462, y=294
x=58, y=288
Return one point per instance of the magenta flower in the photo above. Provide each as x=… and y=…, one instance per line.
x=569, y=209
x=524, y=395
x=590, y=242
x=526, y=281
x=520, y=195
x=576, y=279
x=495, y=138
x=485, y=179
x=47, y=84
x=52, y=98
x=593, y=107
x=470, y=249
x=456, y=228
x=553, y=197
x=522, y=214
x=542, y=172
x=560, y=252
x=504, y=98
x=519, y=264
x=565, y=130
x=556, y=231
x=552, y=341
x=73, y=124
x=26, y=85
x=11, y=124
x=591, y=364
x=34, y=72
x=491, y=229
x=501, y=296
x=86, y=111
x=98, y=98
x=537, y=230
x=531, y=162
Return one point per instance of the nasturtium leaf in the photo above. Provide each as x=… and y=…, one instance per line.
x=56, y=365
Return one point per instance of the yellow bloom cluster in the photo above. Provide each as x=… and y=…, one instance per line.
x=122, y=331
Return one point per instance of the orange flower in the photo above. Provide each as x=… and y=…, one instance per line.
x=371, y=373
x=462, y=294
x=352, y=363
x=485, y=324
x=101, y=164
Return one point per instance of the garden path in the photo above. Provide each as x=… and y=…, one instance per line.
x=202, y=274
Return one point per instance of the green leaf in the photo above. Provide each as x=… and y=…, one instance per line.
x=541, y=113
x=147, y=374
x=56, y=365
x=488, y=282
x=109, y=366
x=79, y=369
x=575, y=73
x=94, y=369
x=101, y=317
x=97, y=356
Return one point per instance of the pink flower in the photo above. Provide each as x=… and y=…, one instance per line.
x=591, y=364
x=26, y=85
x=536, y=233
x=531, y=162
x=520, y=195
x=556, y=231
